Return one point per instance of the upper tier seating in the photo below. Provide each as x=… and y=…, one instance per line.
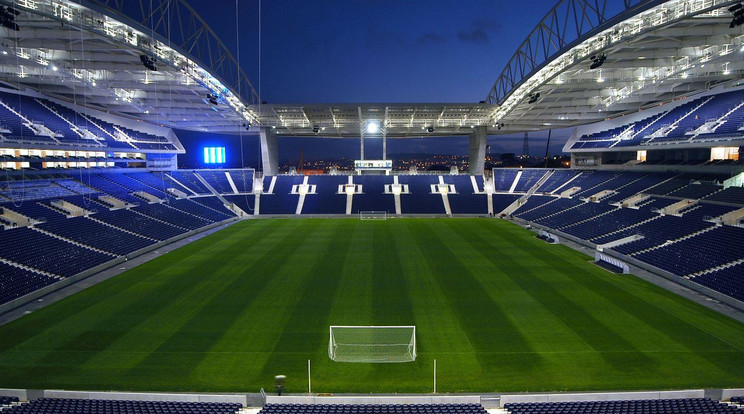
x=714, y=117
x=67, y=126
x=676, y=406
x=80, y=406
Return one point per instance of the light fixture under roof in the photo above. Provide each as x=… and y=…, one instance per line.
x=373, y=127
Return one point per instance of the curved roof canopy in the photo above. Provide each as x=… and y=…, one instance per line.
x=97, y=54
x=580, y=66
x=587, y=60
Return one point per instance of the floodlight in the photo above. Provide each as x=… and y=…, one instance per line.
x=738, y=11
x=597, y=60
x=373, y=127
x=149, y=62
x=430, y=129
x=7, y=18
x=315, y=129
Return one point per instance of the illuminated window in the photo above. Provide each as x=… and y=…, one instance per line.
x=214, y=155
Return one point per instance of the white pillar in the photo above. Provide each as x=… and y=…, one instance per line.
x=269, y=152
x=361, y=151
x=384, y=143
x=477, y=158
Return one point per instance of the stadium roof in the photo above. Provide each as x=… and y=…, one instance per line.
x=95, y=54
x=395, y=120
x=581, y=64
x=645, y=52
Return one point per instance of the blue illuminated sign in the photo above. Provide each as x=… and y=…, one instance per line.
x=214, y=155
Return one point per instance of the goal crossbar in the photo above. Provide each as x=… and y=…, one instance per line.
x=373, y=344
x=373, y=215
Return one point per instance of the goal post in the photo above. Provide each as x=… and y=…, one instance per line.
x=373, y=344
x=373, y=215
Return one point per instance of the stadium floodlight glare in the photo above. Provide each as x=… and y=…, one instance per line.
x=373, y=127
x=372, y=344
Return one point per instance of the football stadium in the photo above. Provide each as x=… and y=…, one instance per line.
x=147, y=265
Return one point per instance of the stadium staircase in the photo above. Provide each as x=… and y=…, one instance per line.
x=82, y=133
x=677, y=240
x=30, y=269
x=557, y=189
x=57, y=236
x=121, y=229
x=665, y=130
x=710, y=128
x=627, y=228
x=36, y=128
x=588, y=219
x=715, y=269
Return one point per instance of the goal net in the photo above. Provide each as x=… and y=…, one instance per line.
x=377, y=344
x=373, y=215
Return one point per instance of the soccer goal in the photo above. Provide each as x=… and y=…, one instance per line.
x=373, y=215
x=376, y=344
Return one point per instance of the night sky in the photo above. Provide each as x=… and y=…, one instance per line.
x=341, y=51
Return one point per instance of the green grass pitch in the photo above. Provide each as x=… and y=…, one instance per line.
x=497, y=308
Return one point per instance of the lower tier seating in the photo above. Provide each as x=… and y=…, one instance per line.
x=373, y=409
x=16, y=282
x=79, y=406
x=44, y=252
x=7, y=400
x=676, y=406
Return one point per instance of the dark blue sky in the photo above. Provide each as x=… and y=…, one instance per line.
x=378, y=51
